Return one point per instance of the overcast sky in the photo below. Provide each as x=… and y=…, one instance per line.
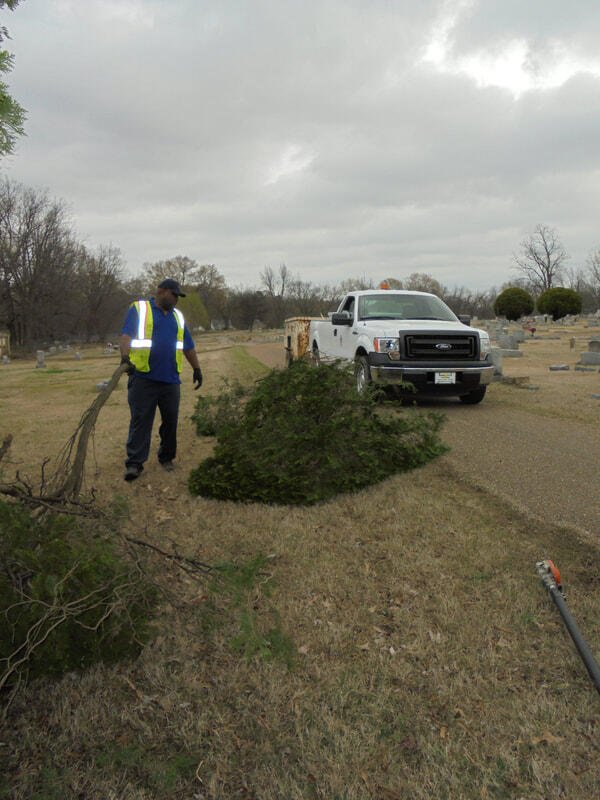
x=340, y=138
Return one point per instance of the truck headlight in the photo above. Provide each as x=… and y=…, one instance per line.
x=389, y=346
x=484, y=345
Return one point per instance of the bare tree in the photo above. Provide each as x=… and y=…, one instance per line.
x=465, y=301
x=586, y=282
x=205, y=279
x=593, y=270
x=244, y=306
x=355, y=285
x=542, y=258
x=182, y=268
x=422, y=282
x=103, y=298
x=38, y=260
x=210, y=285
x=275, y=284
x=269, y=281
x=394, y=283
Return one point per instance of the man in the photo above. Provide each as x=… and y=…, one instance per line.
x=153, y=339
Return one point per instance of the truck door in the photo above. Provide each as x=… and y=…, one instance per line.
x=343, y=340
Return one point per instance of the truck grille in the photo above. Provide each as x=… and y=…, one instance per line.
x=440, y=346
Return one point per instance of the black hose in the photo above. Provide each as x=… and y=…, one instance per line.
x=580, y=643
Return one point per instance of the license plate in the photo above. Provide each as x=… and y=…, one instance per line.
x=445, y=377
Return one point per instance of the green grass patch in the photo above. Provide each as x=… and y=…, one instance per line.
x=249, y=367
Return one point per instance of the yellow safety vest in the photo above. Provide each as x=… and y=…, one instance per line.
x=142, y=344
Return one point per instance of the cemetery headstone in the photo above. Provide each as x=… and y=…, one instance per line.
x=496, y=360
x=508, y=342
x=41, y=362
x=593, y=354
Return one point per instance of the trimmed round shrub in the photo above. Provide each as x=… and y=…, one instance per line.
x=559, y=302
x=306, y=435
x=513, y=303
x=67, y=600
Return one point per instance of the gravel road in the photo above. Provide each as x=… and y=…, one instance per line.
x=545, y=466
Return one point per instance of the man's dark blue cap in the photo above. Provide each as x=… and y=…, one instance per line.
x=171, y=284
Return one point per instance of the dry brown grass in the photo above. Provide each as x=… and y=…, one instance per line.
x=431, y=663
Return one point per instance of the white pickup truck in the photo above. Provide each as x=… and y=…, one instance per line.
x=396, y=337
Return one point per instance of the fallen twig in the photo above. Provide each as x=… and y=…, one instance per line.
x=191, y=566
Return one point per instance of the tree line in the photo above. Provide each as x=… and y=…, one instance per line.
x=54, y=288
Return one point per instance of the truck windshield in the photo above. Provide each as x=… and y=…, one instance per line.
x=404, y=306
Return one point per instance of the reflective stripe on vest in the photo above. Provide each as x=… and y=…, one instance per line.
x=142, y=344
x=179, y=343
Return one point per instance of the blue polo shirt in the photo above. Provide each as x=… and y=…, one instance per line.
x=163, y=366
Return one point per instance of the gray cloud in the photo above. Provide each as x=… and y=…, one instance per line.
x=251, y=134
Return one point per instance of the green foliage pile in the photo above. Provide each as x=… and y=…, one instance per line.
x=559, y=302
x=513, y=303
x=67, y=599
x=210, y=412
x=305, y=435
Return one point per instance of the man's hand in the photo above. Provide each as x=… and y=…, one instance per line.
x=197, y=378
x=130, y=368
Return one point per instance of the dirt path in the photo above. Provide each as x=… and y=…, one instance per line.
x=546, y=466
x=271, y=353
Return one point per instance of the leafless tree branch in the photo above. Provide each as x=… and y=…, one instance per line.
x=542, y=258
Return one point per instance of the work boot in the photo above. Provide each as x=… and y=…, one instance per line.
x=132, y=472
x=169, y=466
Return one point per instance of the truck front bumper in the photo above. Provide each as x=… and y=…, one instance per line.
x=422, y=377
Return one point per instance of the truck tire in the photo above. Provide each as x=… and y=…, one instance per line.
x=476, y=396
x=362, y=374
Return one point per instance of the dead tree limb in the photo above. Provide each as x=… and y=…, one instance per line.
x=68, y=478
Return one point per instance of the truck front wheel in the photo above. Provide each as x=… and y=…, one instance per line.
x=362, y=373
x=476, y=396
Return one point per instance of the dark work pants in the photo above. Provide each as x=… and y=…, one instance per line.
x=144, y=397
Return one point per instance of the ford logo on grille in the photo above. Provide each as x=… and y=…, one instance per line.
x=443, y=346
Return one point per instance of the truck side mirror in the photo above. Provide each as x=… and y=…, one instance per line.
x=341, y=318
x=464, y=318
